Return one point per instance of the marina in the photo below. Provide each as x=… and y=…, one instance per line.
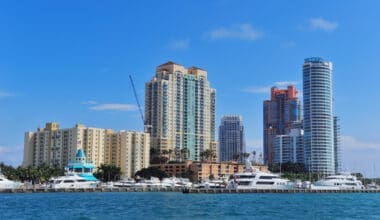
x=187, y=190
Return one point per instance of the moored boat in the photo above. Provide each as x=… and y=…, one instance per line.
x=78, y=174
x=8, y=184
x=342, y=181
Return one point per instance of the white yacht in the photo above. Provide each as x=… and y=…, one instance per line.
x=8, y=184
x=259, y=180
x=125, y=183
x=153, y=182
x=372, y=185
x=79, y=174
x=174, y=182
x=212, y=184
x=255, y=179
x=71, y=182
x=338, y=182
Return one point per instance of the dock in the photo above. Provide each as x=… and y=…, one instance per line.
x=185, y=191
x=76, y=190
x=284, y=191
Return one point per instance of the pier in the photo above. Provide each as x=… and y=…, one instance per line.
x=185, y=191
x=75, y=190
x=284, y=191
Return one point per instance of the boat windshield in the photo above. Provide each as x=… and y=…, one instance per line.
x=267, y=177
x=244, y=183
x=264, y=183
x=78, y=170
x=246, y=176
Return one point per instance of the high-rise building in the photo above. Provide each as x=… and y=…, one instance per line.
x=128, y=150
x=180, y=110
x=280, y=114
x=337, y=146
x=56, y=147
x=289, y=147
x=318, y=116
x=231, y=138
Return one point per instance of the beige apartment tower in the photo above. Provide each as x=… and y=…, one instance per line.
x=180, y=110
x=128, y=150
x=56, y=147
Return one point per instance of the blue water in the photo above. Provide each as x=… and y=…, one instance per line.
x=188, y=206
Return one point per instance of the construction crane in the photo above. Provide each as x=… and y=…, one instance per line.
x=138, y=104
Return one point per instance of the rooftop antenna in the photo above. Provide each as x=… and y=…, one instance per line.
x=138, y=105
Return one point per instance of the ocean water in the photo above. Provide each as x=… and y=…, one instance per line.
x=188, y=206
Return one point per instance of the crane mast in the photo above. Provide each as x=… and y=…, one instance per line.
x=138, y=103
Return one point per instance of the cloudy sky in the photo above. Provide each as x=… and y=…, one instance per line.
x=69, y=62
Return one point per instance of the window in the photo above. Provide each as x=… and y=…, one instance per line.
x=266, y=177
x=264, y=183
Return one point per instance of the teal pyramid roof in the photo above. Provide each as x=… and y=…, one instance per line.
x=80, y=153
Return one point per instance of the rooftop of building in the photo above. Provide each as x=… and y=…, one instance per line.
x=315, y=60
x=169, y=63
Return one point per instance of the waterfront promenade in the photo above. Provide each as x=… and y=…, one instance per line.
x=186, y=191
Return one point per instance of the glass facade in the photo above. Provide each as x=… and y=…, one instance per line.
x=231, y=138
x=318, y=116
x=180, y=111
x=280, y=113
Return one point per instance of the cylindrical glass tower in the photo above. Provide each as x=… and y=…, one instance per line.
x=318, y=116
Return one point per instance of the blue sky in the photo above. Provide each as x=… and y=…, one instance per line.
x=69, y=62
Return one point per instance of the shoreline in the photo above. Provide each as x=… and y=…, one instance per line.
x=185, y=191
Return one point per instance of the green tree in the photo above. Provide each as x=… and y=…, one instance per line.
x=184, y=153
x=245, y=155
x=236, y=157
x=151, y=171
x=108, y=173
x=208, y=155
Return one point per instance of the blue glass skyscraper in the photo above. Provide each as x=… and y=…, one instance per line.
x=231, y=138
x=318, y=116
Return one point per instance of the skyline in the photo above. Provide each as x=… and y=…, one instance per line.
x=71, y=65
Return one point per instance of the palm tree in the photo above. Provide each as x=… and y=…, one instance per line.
x=254, y=157
x=108, y=173
x=236, y=157
x=208, y=155
x=184, y=153
x=245, y=155
x=170, y=153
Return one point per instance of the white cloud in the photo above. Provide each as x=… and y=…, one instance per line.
x=322, y=24
x=90, y=102
x=360, y=155
x=240, y=32
x=180, y=44
x=114, y=107
x=285, y=83
x=11, y=156
x=266, y=89
x=5, y=94
x=256, y=89
x=351, y=143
